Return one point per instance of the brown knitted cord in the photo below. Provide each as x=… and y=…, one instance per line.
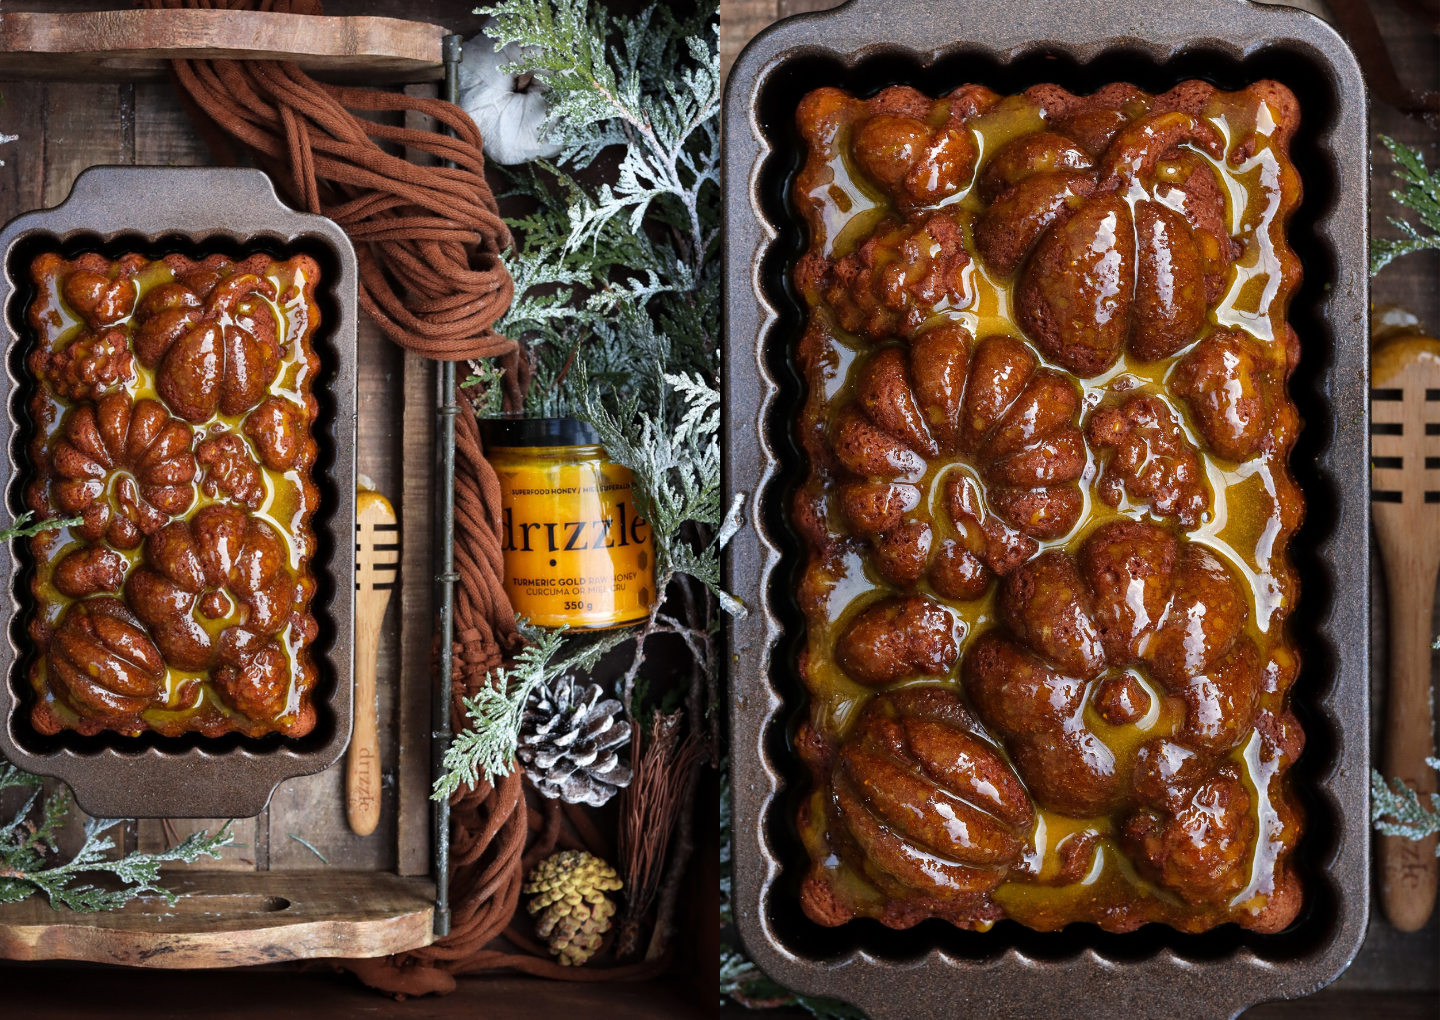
x=428, y=241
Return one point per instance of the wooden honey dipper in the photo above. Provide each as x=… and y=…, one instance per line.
x=1405, y=506
x=377, y=552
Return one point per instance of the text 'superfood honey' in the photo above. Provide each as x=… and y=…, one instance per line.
x=577, y=551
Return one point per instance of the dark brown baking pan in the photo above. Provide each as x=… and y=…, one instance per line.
x=934, y=969
x=195, y=211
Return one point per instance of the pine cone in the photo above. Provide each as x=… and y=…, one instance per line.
x=568, y=738
x=570, y=898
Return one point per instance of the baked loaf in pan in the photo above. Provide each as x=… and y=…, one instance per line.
x=1048, y=507
x=173, y=416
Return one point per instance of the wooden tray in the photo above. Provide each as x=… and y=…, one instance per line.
x=298, y=883
x=233, y=920
x=370, y=896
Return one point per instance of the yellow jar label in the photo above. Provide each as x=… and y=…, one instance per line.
x=577, y=552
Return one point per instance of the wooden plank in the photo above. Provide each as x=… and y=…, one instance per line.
x=417, y=616
x=234, y=920
x=134, y=45
x=155, y=835
x=312, y=808
x=164, y=133
x=788, y=8
x=417, y=588
x=83, y=128
x=741, y=21
x=23, y=173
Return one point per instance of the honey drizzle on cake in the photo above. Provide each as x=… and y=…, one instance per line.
x=1244, y=525
x=286, y=504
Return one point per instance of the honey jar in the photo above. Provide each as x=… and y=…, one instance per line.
x=577, y=551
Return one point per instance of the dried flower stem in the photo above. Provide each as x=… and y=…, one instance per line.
x=694, y=754
x=690, y=760
x=651, y=805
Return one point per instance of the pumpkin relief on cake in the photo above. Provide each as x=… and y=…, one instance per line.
x=173, y=422
x=1047, y=507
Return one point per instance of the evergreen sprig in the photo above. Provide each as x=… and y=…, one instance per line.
x=24, y=527
x=675, y=460
x=485, y=748
x=29, y=854
x=591, y=261
x=613, y=81
x=1420, y=192
x=1396, y=809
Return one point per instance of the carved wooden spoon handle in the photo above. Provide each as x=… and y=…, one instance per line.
x=362, y=764
x=1408, y=868
x=376, y=557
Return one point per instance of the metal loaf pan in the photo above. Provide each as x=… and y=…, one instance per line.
x=934, y=969
x=196, y=211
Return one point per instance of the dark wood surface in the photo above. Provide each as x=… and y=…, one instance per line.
x=48, y=992
x=64, y=128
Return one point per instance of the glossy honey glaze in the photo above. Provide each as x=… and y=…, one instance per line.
x=188, y=699
x=1254, y=505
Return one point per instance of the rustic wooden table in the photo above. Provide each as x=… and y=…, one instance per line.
x=1396, y=976
x=65, y=127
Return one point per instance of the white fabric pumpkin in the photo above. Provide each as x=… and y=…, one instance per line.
x=508, y=109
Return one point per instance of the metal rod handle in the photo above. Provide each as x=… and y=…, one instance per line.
x=445, y=575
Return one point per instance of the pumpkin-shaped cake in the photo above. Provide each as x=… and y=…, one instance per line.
x=216, y=352
x=124, y=467
x=928, y=808
x=1047, y=507
x=104, y=662
x=174, y=420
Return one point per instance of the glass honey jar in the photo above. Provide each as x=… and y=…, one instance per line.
x=577, y=551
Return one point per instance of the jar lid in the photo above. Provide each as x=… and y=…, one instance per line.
x=510, y=432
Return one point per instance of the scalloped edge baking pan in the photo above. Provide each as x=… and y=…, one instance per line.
x=200, y=209
x=934, y=970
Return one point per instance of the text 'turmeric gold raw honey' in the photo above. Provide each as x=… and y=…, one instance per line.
x=577, y=552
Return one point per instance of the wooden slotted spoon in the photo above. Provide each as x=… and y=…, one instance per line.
x=377, y=551
x=1405, y=506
